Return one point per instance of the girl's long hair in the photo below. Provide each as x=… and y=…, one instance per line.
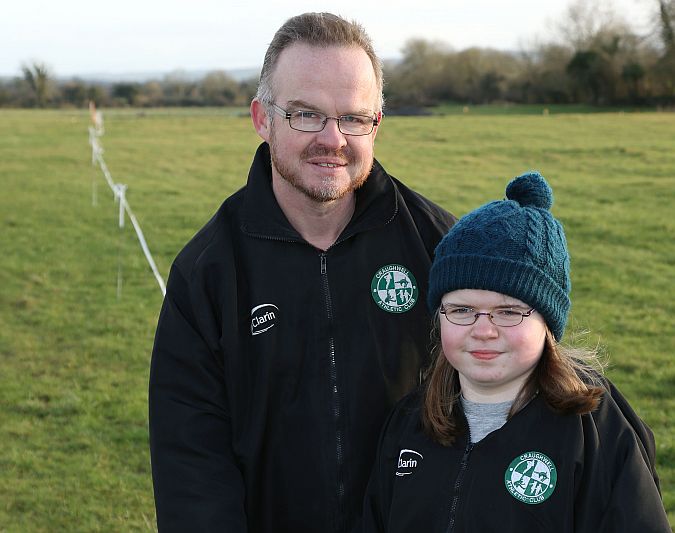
x=569, y=379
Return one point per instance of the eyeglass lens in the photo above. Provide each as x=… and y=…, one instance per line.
x=347, y=124
x=466, y=316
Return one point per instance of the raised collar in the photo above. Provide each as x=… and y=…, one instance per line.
x=376, y=203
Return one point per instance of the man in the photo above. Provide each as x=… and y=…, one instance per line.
x=295, y=318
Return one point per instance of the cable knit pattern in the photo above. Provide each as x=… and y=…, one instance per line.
x=513, y=246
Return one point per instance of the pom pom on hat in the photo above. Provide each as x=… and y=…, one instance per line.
x=530, y=189
x=513, y=246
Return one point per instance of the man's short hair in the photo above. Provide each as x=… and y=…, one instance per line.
x=316, y=29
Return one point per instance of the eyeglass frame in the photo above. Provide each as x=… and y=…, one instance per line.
x=288, y=115
x=523, y=315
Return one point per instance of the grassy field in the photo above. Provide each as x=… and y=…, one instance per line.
x=74, y=358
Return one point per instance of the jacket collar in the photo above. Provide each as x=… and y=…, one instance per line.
x=376, y=203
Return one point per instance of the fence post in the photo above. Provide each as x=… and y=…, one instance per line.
x=119, y=194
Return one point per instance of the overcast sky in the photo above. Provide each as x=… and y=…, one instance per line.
x=77, y=37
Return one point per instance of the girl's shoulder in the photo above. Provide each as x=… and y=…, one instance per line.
x=615, y=416
x=405, y=416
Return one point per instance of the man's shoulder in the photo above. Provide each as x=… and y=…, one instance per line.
x=422, y=207
x=431, y=220
x=213, y=242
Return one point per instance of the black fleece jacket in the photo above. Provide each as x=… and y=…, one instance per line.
x=541, y=471
x=275, y=363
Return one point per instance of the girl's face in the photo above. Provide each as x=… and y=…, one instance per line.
x=493, y=362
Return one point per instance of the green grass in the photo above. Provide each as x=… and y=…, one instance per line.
x=74, y=359
x=508, y=108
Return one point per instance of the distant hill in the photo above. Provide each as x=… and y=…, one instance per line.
x=142, y=77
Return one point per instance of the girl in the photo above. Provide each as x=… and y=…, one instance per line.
x=511, y=431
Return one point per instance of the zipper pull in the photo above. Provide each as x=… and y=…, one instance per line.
x=323, y=263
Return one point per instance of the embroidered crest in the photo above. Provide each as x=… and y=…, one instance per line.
x=531, y=478
x=394, y=288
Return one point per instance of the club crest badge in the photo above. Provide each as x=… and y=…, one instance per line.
x=394, y=289
x=531, y=478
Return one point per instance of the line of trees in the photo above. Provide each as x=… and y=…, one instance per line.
x=38, y=88
x=595, y=59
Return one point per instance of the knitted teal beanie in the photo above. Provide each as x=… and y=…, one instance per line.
x=512, y=246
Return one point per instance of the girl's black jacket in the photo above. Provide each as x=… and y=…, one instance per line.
x=275, y=363
x=540, y=472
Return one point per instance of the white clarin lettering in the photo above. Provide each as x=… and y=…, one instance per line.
x=262, y=319
x=409, y=463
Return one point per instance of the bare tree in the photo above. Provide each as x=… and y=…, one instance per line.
x=667, y=23
x=38, y=78
x=664, y=70
x=583, y=21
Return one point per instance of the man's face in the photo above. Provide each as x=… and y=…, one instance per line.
x=325, y=165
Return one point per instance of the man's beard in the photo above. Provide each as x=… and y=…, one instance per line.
x=327, y=189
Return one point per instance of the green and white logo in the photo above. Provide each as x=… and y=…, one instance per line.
x=531, y=478
x=394, y=288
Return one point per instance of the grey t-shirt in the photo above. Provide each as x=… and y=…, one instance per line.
x=484, y=418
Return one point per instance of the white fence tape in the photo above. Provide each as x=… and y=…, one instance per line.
x=119, y=192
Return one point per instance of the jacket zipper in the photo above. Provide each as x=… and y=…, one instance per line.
x=458, y=485
x=337, y=412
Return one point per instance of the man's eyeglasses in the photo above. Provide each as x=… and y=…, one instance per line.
x=500, y=316
x=313, y=121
